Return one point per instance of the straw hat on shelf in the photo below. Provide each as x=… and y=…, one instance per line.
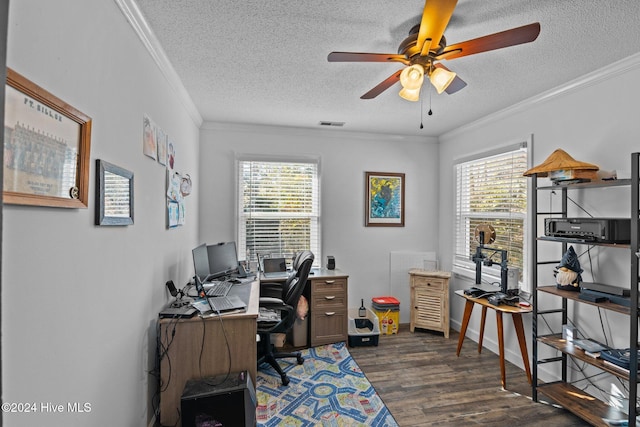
x=560, y=166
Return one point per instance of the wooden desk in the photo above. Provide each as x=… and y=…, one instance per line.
x=196, y=347
x=516, y=315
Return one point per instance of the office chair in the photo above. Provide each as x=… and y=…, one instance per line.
x=286, y=304
x=276, y=289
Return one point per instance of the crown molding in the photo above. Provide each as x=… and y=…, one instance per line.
x=134, y=16
x=305, y=132
x=603, y=74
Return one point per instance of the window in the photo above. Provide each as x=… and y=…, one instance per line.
x=492, y=190
x=278, y=205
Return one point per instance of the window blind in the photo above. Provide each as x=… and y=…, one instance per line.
x=492, y=190
x=278, y=205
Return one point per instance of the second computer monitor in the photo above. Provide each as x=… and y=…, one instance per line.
x=201, y=261
x=223, y=259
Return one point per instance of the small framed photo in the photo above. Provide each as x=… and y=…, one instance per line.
x=46, y=148
x=114, y=194
x=384, y=199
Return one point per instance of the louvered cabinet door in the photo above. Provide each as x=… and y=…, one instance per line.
x=429, y=302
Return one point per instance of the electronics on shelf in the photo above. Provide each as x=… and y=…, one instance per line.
x=603, y=230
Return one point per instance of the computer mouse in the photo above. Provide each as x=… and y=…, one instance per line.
x=235, y=281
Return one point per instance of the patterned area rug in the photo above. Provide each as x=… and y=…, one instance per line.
x=329, y=389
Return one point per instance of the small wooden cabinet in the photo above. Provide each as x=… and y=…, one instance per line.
x=430, y=300
x=329, y=314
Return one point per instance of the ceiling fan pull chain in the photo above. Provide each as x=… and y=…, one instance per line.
x=421, y=102
x=430, y=112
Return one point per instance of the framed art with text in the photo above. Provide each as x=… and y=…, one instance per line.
x=46, y=148
x=384, y=199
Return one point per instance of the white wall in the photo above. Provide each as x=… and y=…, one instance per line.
x=362, y=252
x=594, y=119
x=80, y=301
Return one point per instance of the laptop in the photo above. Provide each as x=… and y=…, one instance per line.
x=178, y=309
x=220, y=304
x=228, y=303
x=273, y=268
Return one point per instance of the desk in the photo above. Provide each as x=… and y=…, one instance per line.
x=516, y=315
x=328, y=306
x=182, y=360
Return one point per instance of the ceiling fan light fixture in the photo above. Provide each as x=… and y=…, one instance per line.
x=410, y=94
x=441, y=79
x=412, y=77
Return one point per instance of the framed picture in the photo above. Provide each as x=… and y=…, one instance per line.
x=162, y=146
x=114, y=194
x=384, y=199
x=46, y=149
x=149, y=142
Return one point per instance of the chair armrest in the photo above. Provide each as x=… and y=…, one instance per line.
x=275, y=304
x=270, y=300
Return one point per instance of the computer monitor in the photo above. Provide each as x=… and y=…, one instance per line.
x=201, y=261
x=223, y=259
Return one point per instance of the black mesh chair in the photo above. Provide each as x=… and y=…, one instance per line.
x=282, y=299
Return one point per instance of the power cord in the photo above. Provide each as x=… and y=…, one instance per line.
x=226, y=340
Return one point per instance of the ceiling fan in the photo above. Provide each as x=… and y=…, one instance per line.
x=426, y=45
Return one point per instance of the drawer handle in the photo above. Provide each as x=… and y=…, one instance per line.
x=329, y=282
x=428, y=284
x=330, y=297
x=329, y=313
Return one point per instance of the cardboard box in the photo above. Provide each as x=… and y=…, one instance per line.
x=278, y=340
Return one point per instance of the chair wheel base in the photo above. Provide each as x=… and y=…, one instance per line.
x=285, y=379
x=300, y=359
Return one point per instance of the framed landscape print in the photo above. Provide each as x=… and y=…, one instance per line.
x=46, y=149
x=384, y=199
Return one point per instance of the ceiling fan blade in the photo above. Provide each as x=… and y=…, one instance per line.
x=512, y=37
x=455, y=85
x=435, y=18
x=366, y=57
x=381, y=87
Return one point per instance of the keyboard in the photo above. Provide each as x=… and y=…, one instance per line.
x=218, y=289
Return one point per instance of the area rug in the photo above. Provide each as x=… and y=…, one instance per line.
x=329, y=389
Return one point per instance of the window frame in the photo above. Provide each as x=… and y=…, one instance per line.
x=466, y=268
x=248, y=157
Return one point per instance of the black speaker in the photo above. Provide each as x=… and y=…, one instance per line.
x=331, y=262
x=219, y=401
x=172, y=288
x=242, y=272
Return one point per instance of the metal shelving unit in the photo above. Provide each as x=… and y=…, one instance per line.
x=573, y=399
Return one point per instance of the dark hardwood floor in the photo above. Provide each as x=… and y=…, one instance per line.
x=423, y=383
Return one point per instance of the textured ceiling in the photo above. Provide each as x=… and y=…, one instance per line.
x=265, y=62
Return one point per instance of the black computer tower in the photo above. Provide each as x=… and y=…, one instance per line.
x=219, y=401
